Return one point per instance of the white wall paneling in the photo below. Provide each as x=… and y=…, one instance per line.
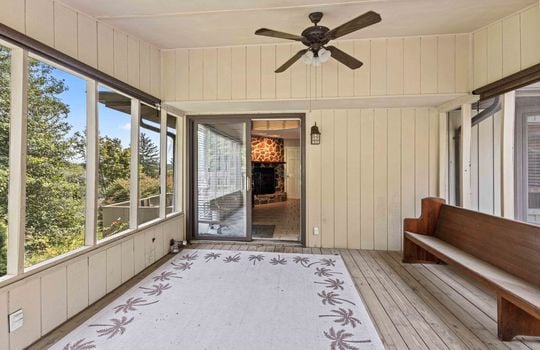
x=391, y=158
x=394, y=67
x=506, y=46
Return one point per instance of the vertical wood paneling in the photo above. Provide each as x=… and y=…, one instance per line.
x=26, y=296
x=362, y=76
x=182, y=74
x=497, y=133
x=446, y=67
x=463, y=62
x=314, y=183
x=474, y=168
x=40, y=20
x=421, y=156
x=408, y=166
x=395, y=66
x=340, y=178
x=268, y=77
x=139, y=252
x=114, y=267
x=380, y=179
x=299, y=76
x=345, y=74
x=366, y=179
x=97, y=276
x=77, y=287
x=53, y=299
x=412, y=65
x=12, y=15
x=169, y=81
x=394, y=179
x=494, y=54
x=530, y=44
x=65, y=30
x=378, y=67
x=128, y=260
x=433, y=153
x=485, y=166
x=120, y=56
x=327, y=180
x=238, y=71
x=511, y=46
x=105, y=48
x=155, y=71
x=195, y=74
x=4, y=335
x=428, y=70
x=253, y=70
x=330, y=78
x=87, y=42
x=144, y=63
x=353, y=179
x=224, y=81
x=283, y=80
x=133, y=64
x=149, y=247
x=210, y=75
x=480, y=58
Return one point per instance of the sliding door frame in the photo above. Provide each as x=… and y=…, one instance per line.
x=191, y=211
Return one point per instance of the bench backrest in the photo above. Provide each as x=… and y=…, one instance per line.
x=510, y=245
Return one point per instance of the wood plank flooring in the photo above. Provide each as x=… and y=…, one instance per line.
x=412, y=306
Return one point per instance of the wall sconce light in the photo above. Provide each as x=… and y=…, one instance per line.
x=315, y=135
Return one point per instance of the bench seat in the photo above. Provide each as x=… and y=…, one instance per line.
x=492, y=276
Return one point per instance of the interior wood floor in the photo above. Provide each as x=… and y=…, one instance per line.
x=412, y=306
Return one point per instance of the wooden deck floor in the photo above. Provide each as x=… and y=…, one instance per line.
x=412, y=306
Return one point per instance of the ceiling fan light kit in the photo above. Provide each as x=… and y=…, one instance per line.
x=317, y=37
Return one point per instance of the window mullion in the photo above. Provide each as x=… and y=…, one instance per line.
x=134, y=171
x=163, y=165
x=92, y=162
x=179, y=165
x=17, y=161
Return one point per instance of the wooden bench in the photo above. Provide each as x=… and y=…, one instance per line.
x=502, y=254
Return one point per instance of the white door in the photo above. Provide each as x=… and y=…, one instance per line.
x=292, y=168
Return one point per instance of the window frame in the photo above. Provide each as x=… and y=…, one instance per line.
x=20, y=55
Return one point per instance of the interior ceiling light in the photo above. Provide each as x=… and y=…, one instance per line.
x=317, y=59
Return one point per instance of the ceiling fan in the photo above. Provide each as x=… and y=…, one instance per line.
x=316, y=37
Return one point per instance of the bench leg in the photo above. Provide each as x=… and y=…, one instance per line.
x=513, y=321
x=413, y=254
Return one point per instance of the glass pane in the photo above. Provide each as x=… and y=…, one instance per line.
x=149, y=165
x=56, y=163
x=533, y=166
x=5, y=95
x=114, y=114
x=221, y=174
x=172, y=205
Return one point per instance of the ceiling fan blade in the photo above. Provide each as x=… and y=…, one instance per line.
x=291, y=60
x=275, y=34
x=344, y=58
x=353, y=25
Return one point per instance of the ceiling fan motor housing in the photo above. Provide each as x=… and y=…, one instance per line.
x=315, y=37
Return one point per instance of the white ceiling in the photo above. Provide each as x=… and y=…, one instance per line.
x=209, y=23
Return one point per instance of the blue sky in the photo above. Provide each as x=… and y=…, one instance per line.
x=112, y=123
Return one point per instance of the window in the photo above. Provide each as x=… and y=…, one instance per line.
x=114, y=116
x=5, y=96
x=149, y=164
x=55, y=162
x=172, y=205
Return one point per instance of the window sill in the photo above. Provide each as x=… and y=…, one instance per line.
x=11, y=280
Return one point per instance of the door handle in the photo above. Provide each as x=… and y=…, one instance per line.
x=248, y=183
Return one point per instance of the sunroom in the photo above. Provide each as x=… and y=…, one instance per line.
x=269, y=174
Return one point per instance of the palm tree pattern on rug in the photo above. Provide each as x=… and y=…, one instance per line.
x=341, y=338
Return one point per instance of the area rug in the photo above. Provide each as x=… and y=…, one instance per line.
x=262, y=231
x=228, y=300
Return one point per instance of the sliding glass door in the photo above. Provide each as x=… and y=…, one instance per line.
x=222, y=185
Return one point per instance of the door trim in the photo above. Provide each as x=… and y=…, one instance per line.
x=191, y=158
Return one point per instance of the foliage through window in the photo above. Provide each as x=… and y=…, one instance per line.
x=149, y=164
x=5, y=100
x=55, y=163
x=114, y=116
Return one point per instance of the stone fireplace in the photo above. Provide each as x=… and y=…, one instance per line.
x=267, y=165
